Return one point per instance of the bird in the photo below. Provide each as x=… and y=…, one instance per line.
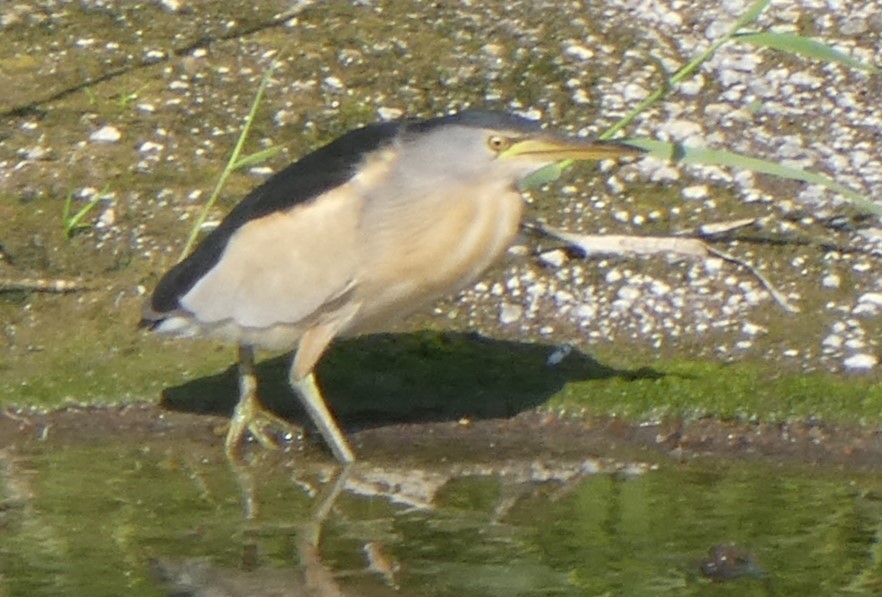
x=350, y=238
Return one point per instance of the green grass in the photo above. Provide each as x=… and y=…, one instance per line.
x=73, y=222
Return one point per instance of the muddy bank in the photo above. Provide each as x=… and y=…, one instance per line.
x=528, y=436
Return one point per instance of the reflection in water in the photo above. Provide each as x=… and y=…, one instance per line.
x=415, y=489
x=114, y=519
x=199, y=578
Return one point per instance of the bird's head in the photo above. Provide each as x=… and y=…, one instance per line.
x=476, y=145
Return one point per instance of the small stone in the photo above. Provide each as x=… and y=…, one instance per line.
x=665, y=174
x=493, y=49
x=107, y=218
x=713, y=265
x=333, y=83
x=855, y=344
x=578, y=52
x=386, y=113
x=694, y=192
x=634, y=93
x=628, y=294
x=150, y=147
x=613, y=276
x=752, y=329
x=692, y=86
x=873, y=298
x=510, y=313
x=106, y=134
x=36, y=153
x=681, y=129
x=854, y=26
x=284, y=117
x=860, y=362
x=153, y=56
x=831, y=281
x=833, y=341
x=172, y=5
x=581, y=97
x=554, y=258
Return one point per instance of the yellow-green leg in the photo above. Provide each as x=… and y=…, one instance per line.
x=250, y=415
x=311, y=399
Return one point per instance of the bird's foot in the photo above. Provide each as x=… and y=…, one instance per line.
x=250, y=417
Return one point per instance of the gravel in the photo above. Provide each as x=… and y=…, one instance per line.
x=577, y=66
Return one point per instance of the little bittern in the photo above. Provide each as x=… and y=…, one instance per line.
x=351, y=237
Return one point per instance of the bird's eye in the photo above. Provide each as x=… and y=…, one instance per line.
x=498, y=143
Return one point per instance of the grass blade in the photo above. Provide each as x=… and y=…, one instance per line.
x=257, y=157
x=231, y=163
x=803, y=46
x=718, y=157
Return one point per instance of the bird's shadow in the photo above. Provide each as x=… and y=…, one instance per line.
x=415, y=377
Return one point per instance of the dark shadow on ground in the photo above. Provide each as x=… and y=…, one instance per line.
x=425, y=376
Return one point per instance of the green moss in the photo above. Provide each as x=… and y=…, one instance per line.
x=426, y=376
x=747, y=391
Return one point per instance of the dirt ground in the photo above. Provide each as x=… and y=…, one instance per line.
x=526, y=435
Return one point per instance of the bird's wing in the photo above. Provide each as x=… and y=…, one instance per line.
x=274, y=210
x=282, y=268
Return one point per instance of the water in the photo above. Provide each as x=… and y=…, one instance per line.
x=157, y=519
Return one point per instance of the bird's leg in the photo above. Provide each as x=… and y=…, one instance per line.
x=312, y=345
x=250, y=415
x=311, y=399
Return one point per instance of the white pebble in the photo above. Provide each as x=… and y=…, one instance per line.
x=861, y=361
x=628, y=294
x=107, y=218
x=554, y=258
x=699, y=191
x=752, y=329
x=389, y=113
x=613, y=276
x=665, y=174
x=833, y=341
x=831, y=281
x=873, y=298
x=106, y=134
x=333, y=83
x=578, y=52
x=681, y=129
x=510, y=313
x=150, y=147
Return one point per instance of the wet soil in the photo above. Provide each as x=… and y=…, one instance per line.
x=529, y=435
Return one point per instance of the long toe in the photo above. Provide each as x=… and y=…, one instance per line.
x=252, y=418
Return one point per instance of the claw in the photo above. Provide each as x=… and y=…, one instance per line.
x=251, y=417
